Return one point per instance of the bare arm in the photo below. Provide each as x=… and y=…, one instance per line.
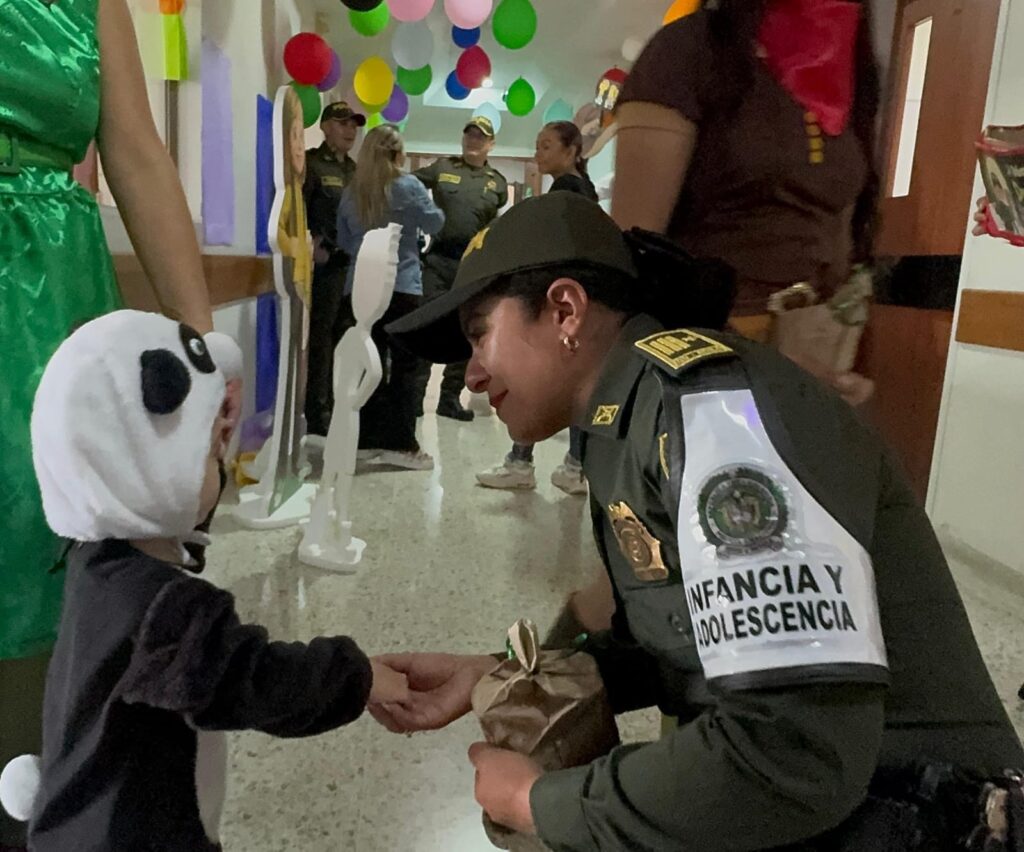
x=655, y=147
x=143, y=177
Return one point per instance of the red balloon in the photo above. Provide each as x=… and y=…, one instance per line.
x=473, y=67
x=308, y=58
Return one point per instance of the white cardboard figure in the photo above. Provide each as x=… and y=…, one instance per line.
x=328, y=541
x=282, y=497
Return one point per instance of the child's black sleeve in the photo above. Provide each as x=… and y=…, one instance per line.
x=192, y=656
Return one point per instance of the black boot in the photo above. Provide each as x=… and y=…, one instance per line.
x=448, y=406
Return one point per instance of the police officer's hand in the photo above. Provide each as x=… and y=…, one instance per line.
x=503, y=783
x=320, y=254
x=439, y=690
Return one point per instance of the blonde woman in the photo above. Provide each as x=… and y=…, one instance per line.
x=381, y=193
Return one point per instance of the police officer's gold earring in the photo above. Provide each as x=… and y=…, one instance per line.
x=570, y=343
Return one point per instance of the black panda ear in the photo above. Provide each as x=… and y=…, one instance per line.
x=165, y=381
x=195, y=349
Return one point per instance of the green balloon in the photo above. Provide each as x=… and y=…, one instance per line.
x=515, y=23
x=310, y=99
x=370, y=23
x=415, y=81
x=521, y=98
x=374, y=119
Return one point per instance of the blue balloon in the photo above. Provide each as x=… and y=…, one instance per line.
x=465, y=38
x=456, y=91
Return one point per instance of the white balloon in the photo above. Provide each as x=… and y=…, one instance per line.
x=489, y=110
x=632, y=47
x=413, y=45
x=19, y=786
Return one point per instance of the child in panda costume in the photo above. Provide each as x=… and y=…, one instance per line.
x=151, y=662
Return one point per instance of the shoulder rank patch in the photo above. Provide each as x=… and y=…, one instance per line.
x=641, y=549
x=605, y=415
x=679, y=349
x=445, y=177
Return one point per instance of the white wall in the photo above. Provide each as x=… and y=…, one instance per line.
x=976, y=494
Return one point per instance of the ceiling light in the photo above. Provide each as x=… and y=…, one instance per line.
x=487, y=83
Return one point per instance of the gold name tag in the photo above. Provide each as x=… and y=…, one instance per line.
x=332, y=181
x=446, y=178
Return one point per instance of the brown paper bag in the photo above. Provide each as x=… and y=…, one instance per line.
x=548, y=705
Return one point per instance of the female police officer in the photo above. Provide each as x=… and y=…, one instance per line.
x=777, y=587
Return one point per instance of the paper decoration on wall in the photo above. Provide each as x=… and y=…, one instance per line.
x=412, y=45
x=175, y=47
x=410, y=10
x=558, y=111
x=609, y=87
x=473, y=67
x=264, y=171
x=680, y=9
x=456, y=91
x=398, y=107
x=632, y=47
x=521, y=98
x=415, y=81
x=309, y=97
x=465, y=38
x=333, y=76
x=373, y=82
x=467, y=14
x=491, y=112
x=307, y=58
x=370, y=23
x=218, y=167
x=515, y=23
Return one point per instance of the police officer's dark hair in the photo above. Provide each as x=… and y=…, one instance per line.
x=672, y=286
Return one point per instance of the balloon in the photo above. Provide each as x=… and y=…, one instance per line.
x=374, y=81
x=415, y=81
x=521, y=98
x=465, y=38
x=558, y=111
x=307, y=58
x=456, y=91
x=467, y=14
x=333, y=76
x=473, y=67
x=398, y=106
x=413, y=45
x=370, y=23
x=680, y=9
x=515, y=23
x=489, y=111
x=374, y=119
x=410, y=10
x=310, y=99
x=632, y=47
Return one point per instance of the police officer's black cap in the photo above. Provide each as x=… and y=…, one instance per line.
x=547, y=231
x=341, y=111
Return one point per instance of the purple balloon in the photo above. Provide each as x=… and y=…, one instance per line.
x=398, y=107
x=331, y=80
x=465, y=38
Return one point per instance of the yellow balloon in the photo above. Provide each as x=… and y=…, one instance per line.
x=680, y=9
x=374, y=81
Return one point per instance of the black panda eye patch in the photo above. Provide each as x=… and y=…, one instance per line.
x=165, y=381
x=195, y=349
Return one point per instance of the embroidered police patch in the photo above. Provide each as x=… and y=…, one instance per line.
x=742, y=510
x=681, y=348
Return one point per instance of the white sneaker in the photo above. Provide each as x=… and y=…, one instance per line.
x=367, y=455
x=409, y=459
x=514, y=475
x=568, y=476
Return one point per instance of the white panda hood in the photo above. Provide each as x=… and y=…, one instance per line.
x=122, y=423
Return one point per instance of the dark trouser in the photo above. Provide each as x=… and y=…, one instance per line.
x=388, y=420
x=326, y=325
x=21, y=723
x=524, y=452
x=438, y=276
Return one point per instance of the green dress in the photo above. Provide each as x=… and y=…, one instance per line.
x=55, y=272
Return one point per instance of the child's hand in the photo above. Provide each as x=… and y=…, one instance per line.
x=389, y=686
x=981, y=217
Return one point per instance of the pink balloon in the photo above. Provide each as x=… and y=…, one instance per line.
x=467, y=14
x=410, y=10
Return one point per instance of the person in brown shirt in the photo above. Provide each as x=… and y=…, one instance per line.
x=720, y=150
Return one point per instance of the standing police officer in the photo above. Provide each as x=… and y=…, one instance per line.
x=779, y=590
x=471, y=194
x=329, y=169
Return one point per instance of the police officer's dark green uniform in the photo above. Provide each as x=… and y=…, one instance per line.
x=470, y=197
x=327, y=175
x=779, y=590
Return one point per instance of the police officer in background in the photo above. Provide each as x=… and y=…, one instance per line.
x=778, y=588
x=329, y=169
x=471, y=194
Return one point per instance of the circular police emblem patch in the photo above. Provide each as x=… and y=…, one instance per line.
x=742, y=510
